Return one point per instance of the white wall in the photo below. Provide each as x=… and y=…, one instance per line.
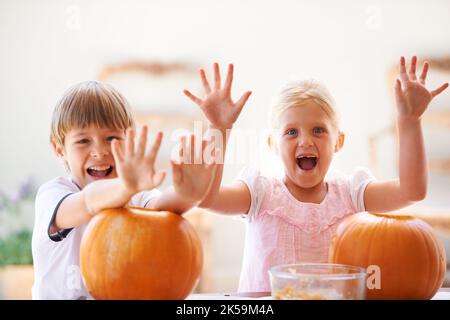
x=350, y=45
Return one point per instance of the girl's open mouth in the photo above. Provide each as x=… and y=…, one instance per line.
x=100, y=171
x=307, y=162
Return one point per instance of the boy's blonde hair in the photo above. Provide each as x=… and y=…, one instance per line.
x=90, y=103
x=296, y=93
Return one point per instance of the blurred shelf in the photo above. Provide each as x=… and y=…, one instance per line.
x=440, y=166
x=439, y=119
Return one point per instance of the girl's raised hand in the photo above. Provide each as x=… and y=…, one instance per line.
x=135, y=168
x=218, y=107
x=193, y=173
x=412, y=96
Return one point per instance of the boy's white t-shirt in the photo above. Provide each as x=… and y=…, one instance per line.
x=56, y=256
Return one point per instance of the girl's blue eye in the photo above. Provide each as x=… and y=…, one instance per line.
x=318, y=130
x=291, y=132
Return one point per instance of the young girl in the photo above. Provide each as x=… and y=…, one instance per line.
x=92, y=133
x=293, y=219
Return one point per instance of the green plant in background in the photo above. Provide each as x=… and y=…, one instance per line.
x=16, y=224
x=16, y=249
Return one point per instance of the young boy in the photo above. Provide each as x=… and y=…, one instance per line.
x=92, y=133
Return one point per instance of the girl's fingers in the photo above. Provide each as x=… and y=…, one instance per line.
x=399, y=92
x=142, y=142
x=434, y=93
x=194, y=151
x=158, y=178
x=116, y=151
x=403, y=75
x=195, y=99
x=155, y=148
x=129, y=149
x=183, y=152
x=423, y=75
x=176, y=173
x=241, y=102
x=229, y=79
x=216, y=76
x=412, y=68
x=213, y=157
x=398, y=87
x=205, y=81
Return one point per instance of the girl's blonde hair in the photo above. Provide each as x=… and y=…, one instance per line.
x=90, y=103
x=296, y=93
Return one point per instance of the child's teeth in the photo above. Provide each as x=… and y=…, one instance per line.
x=100, y=168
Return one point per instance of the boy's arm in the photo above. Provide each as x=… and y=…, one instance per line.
x=412, y=99
x=78, y=209
x=222, y=113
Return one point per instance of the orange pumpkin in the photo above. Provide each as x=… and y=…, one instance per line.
x=411, y=259
x=131, y=253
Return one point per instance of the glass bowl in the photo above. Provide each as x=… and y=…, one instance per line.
x=317, y=281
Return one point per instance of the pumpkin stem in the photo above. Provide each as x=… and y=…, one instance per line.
x=392, y=216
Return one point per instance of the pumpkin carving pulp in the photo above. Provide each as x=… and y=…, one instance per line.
x=409, y=256
x=131, y=253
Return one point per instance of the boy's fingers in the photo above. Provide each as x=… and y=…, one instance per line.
x=216, y=76
x=205, y=81
x=229, y=79
x=423, y=75
x=434, y=93
x=130, y=142
x=116, y=151
x=195, y=99
x=155, y=148
x=412, y=68
x=142, y=142
x=403, y=75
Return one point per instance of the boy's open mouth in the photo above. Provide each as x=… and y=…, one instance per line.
x=100, y=171
x=307, y=162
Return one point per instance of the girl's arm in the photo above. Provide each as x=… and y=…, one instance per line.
x=193, y=176
x=412, y=99
x=221, y=112
x=78, y=209
x=233, y=199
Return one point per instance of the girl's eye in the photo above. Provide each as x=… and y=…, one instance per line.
x=291, y=132
x=318, y=130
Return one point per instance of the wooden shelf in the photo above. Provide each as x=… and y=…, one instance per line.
x=439, y=119
x=442, y=166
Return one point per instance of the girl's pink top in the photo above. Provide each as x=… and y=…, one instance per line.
x=283, y=230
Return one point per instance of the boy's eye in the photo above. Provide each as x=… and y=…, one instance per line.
x=318, y=130
x=111, y=138
x=83, y=141
x=291, y=132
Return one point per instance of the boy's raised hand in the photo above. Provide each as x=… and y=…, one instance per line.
x=194, y=173
x=135, y=168
x=411, y=94
x=218, y=106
